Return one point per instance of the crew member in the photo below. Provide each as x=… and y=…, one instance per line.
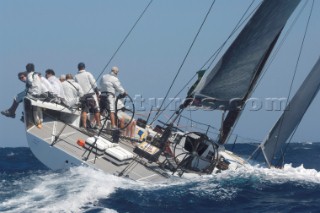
x=35, y=90
x=72, y=90
x=89, y=100
x=11, y=112
x=57, y=88
x=33, y=83
x=110, y=87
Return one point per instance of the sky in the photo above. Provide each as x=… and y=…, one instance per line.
x=59, y=34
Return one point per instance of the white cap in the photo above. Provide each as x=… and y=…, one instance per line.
x=115, y=70
x=62, y=76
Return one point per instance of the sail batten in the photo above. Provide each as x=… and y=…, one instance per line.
x=292, y=116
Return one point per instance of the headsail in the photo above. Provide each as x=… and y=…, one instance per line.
x=232, y=80
x=292, y=116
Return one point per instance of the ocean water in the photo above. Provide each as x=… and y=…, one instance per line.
x=27, y=186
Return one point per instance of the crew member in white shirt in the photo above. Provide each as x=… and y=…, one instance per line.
x=72, y=91
x=34, y=90
x=110, y=87
x=89, y=101
x=33, y=83
x=55, y=83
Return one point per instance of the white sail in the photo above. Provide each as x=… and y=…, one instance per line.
x=292, y=115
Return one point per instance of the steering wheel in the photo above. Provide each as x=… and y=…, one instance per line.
x=189, y=158
x=127, y=108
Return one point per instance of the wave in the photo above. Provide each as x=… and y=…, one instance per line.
x=67, y=191
x=31, y=188
x=82, y=189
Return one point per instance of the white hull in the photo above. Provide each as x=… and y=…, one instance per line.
x=55, y=145
x=51, y=156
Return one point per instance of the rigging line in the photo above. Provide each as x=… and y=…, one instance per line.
x=290, y=139
x=197, y=122
x=238, y=25
x=300, y=51
x=240, y=22
x=179, y=92
x=216, y=129
x=295, y=72
x=189, y=50
x=271, y=59
x=216, y=53
x=280, y=44
x=191, y=121
x=204, y=130
x=267, y=66
x=125, y=38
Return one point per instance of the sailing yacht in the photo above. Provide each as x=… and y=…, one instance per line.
x=168, y=152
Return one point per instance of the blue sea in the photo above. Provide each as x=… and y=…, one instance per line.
x=28, y=186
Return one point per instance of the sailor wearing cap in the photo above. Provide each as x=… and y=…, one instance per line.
x=110, y=86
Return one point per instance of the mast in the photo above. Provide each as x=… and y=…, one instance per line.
x=292, y=116
x=231, y=81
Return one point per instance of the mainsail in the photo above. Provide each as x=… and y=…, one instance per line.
x=231, y=81
x=291, y=117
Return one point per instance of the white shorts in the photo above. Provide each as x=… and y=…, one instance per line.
x=111, y=103
x=123, y=115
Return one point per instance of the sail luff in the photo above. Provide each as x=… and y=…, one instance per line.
x=292, y=115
